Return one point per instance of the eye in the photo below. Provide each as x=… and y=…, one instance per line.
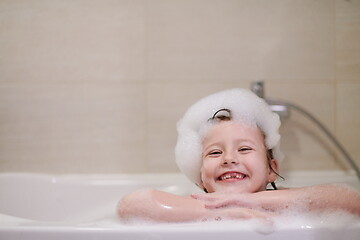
x=245, y=149
x=214, y=153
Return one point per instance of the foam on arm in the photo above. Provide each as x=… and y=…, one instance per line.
x=319, y=198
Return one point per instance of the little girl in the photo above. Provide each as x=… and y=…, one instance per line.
x=229, y=145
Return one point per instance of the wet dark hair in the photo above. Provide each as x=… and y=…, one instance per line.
x=222, y=114
x=269, y=156
x=225, y=114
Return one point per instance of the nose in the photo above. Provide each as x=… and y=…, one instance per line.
x=230, y=158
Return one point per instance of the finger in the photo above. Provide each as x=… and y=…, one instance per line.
x=245, y=213
x=204, y=197
x=214, y=206
x=223, y=204
x=229, y=202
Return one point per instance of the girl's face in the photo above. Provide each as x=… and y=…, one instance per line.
x=234, y=159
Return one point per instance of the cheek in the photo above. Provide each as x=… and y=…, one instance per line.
x=206, y=172
x=207, y=181
x=259, y=165
x=266, y=172
x=208, y=168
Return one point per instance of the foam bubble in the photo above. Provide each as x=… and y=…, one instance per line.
x=316, y=220
x=290, y=220
x=245, y=107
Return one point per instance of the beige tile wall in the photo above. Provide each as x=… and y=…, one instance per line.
x=97, y=87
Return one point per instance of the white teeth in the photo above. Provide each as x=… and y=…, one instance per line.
x=232, y=175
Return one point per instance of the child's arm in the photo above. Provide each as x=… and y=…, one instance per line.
x=160, y=206
x=165, y=207
x=320, y=198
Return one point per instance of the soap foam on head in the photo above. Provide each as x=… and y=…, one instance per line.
x=245, y=107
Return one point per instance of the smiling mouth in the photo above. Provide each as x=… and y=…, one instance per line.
x=232, y=176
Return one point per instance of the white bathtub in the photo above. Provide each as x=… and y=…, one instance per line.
x=35, y=206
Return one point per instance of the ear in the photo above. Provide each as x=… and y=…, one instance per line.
x=273, y=170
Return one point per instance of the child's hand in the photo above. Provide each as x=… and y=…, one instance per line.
x=246, y=213
x=218, y=200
